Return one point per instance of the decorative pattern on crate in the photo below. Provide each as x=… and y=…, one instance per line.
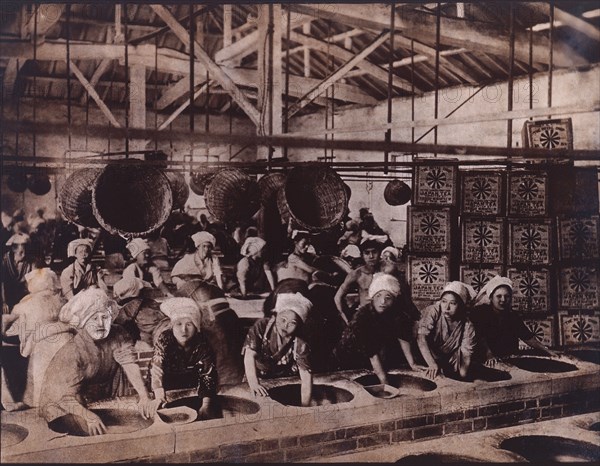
x=548, y=134
x=428, y=276
x=478, y=277
x=481, y=193
x=578, y=329
x=429, y=230
x=578, y=288
x=542, y=329
x=528, y=194
x=483, y=241
x=530, y=292
x=529, y=242
x=435, y=185
x=578, y=238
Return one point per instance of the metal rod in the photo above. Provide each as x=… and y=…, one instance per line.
x=437, y=69
x=127, y=83
x=551, y=54
x=511, y=64
x=388, y=133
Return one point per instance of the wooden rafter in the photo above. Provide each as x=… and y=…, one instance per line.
x=215, y=70
x=337, y=74
x=455, y=32
x=568, y=19
x=48, y=15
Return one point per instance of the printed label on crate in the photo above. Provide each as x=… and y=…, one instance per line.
x=482, y=241
x=530, y=292
x=481, y=193
x=542, y=329
x=528, y=194
x=435, y=185
x=428, y=276
x=429, y=230
x=578, y=288
x=529, y=243
x=578, y=238
x=578, y=329
x=549, y=134
x=478, y=277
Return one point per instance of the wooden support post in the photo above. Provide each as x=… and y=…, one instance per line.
x=270, y=75
x=137, y=101
x=227, y=15
x=306, y=31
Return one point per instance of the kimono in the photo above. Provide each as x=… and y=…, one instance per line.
x=84, y=370
x=143, y=320
x=151, y=275
x=40, y=335
x=448, y=348
x=13, y=279
x=172, y=367
x=273, y=358
x=500, y=332
x=76, y=278
x=205, y=270
x=370, y=332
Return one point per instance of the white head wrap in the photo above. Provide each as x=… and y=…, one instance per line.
x=384, y=281
x=203, y=237
x=84, y=305
x=485, y=294
x=351, y=250
x=73, y=245
x=177, y=308
x=128, y=287
x=18, y=238
x=42, y=280
x=392, y=250
x=252, y=245
x=293, y=302
x=462, y=290
x=136, y=246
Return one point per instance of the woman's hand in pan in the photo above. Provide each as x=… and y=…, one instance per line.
x=258, y=390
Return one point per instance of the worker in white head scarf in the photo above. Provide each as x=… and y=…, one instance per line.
x=273, y=348
x=81, y=274
x=87, y=366
x=201, y=264
x=252, y=269
x=498, y=328
x=142, y=266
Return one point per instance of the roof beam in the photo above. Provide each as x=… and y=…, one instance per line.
x=370, y=68
x=472, y=35
x=48, y=15
x=337, y=74
x=10, y=76
x=568, y=19
x=215, y=70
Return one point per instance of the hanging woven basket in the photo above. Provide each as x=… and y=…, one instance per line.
x=397, y=192
x=199, y=179
x=39, y=184
x=232, y=195
x=75, y=197
x=268, y=186
x=314, y=197
x=131, y=199
x=179, y=188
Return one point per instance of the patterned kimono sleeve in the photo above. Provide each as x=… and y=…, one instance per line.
x=123, y=351
x=158, y=361
x=207, y=369
x=469, y=340
x=302, y=354
x=254, y=337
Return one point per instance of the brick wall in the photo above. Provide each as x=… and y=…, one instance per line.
x=367, y=436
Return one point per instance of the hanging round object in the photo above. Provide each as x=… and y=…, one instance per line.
x=75, y=197
x=17, y=181
x=397, y=192
x=179, y=188
x=268, y=186
x=131, y=199
x=199, y=179
x=314, y=197
x=157, y=156
x=348, y=190
x=232, y=195
x=39, y=184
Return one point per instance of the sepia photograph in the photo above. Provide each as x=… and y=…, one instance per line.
x=300, y=232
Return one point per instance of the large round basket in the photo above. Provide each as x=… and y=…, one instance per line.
x=131, y=199
x=232, y=195
x=179, y=188
x=199, y=179
x=268, y=186
x=75, y=197
x=397, y=192
x=315, y=197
